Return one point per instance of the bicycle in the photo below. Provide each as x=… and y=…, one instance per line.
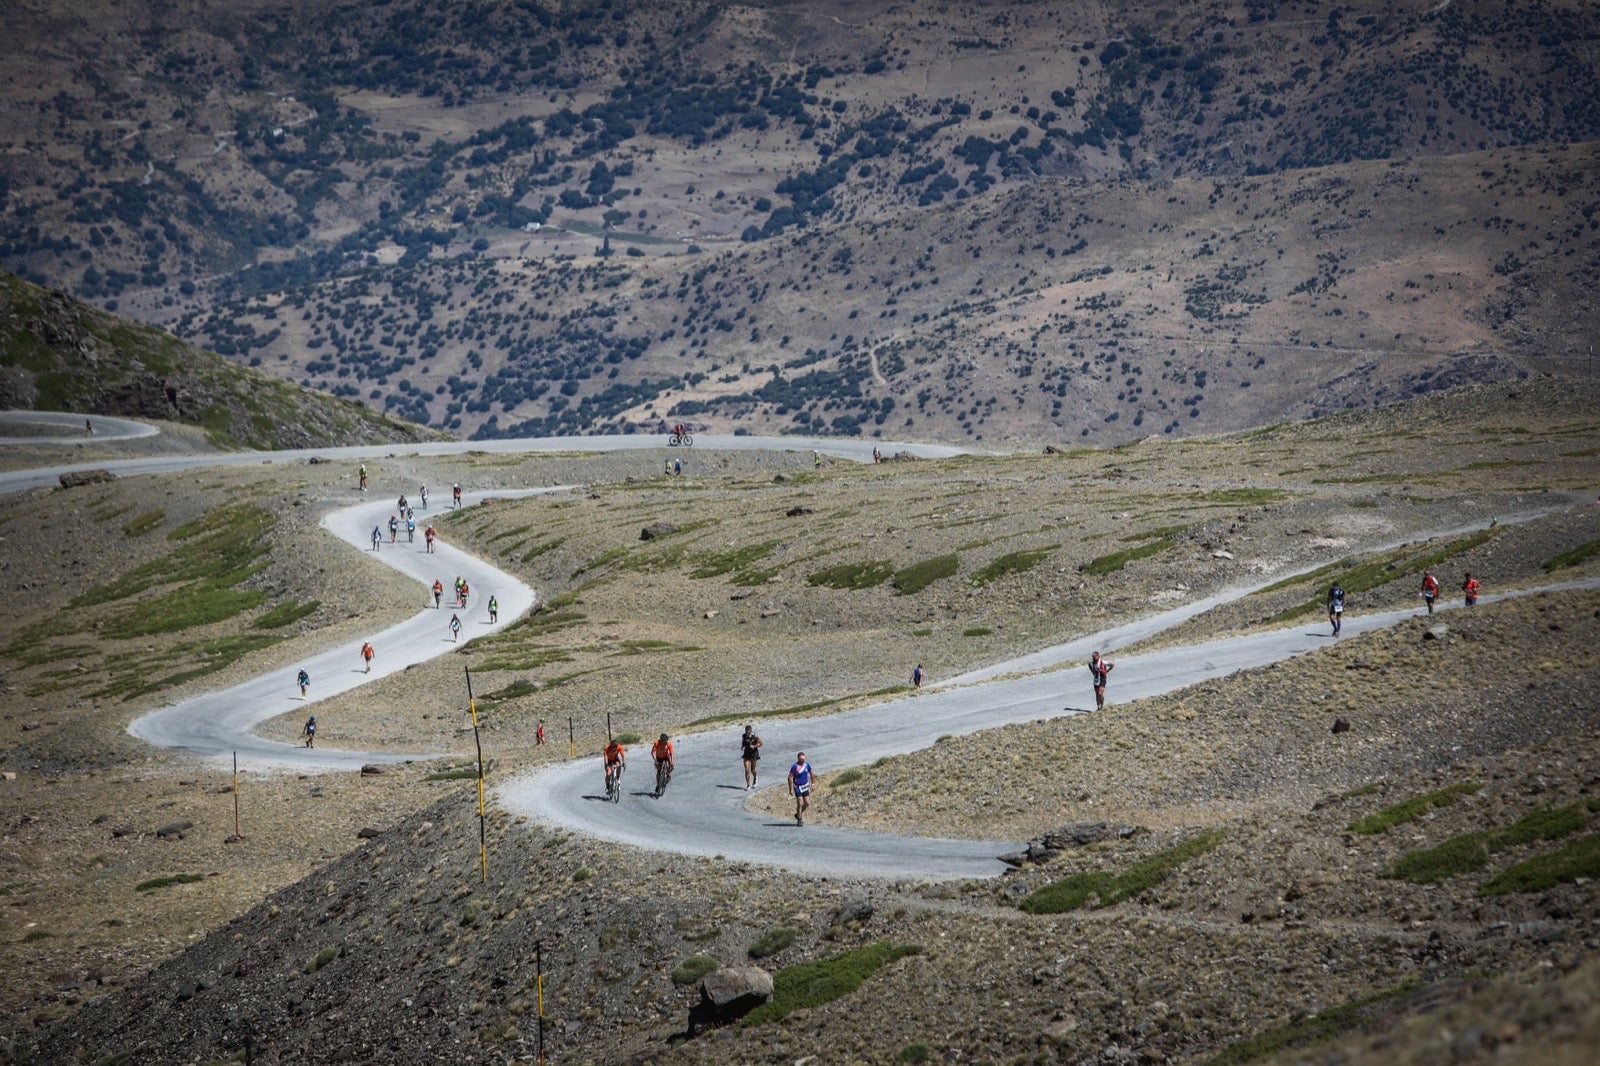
x=675, y=439
x=614, y=783
x=663, y=775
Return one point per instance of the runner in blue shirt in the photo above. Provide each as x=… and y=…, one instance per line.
x=800, y=787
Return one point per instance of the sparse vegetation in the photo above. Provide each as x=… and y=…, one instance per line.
x=1413, y=808
x=772, y=941
x=812, y=984
x=1099, y=888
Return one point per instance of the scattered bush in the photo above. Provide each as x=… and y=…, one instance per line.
x=693, y=968
x=918, y=576
x=1107, y=888
x=865, y=575
x=1412, y=808
x=1012, y=563
x=321, y=959
x=772, y=942
x=812, y=984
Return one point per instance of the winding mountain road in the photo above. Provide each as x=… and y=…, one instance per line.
x=704, y=812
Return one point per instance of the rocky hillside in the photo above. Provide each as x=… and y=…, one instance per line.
x=57, y=354
x=453, y=210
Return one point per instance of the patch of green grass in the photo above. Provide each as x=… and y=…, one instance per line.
x=1114, y=561
x=539, y=549
x=582, y=873
x=629, y=738
x=918, y=576
x=34, y=935
x=138, y=675
x=516, y=690
x=771, y=942
x=913, y=1053
x=140, y=524
x=812, y=984
x=1471, y=851
x=1574, y=557
x=1018, y=562
x=181, y=610
x=460, y=773
x=845, y=777
x=162, y=882
x=1107, y=889
x=851, y=576
x=715, y=564
x=286, y=614
x=1315, y=1029
x=321, y=959
x=693, y=968
x=1580, y=859
x=1412, y=809
x=976, y=631
x=218, y=551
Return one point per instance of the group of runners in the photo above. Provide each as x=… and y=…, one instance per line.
x=1470, y=588
x=664, y=757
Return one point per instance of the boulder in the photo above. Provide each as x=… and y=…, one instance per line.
x=1067, y=837
x=657, y=529
x=729, y=994
x=1341, y=725
x=1438, y=631
x=174, y=829
x=73, y=478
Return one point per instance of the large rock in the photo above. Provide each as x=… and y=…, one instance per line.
x=729, y=994
x=1067, y=837
x=73, y=478
x=657, y=529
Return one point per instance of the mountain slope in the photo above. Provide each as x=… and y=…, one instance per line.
x=57, y=354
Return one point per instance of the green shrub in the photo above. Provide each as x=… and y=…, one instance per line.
x=1580, y=859
x=582, y=873
x=1412, y=808
x=1012, y=563
x=1471, y=851
x=976, y=631
x=1109, y=564
x=693, y=968
x=1575, y=557
x=918, y=576
x=321, y=959
x=865, y=575
x=913, y=1053
x=812, y=984
x=772, y=942
x=460, y=773
x=845, y=777
x=1107, y=888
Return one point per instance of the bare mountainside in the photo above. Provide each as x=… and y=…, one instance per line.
x=1098, y=312
x=178, y=161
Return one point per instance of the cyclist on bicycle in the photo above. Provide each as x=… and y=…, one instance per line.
x=661, y=752
x=616, y=760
